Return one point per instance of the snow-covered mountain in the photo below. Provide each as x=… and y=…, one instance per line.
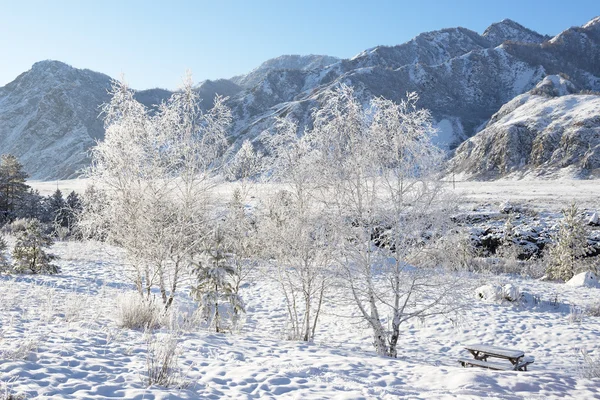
x=508, y=30
x=461, y=77
x=49, y=118
x=550, y=130
x=48, y=115
x=285, y=62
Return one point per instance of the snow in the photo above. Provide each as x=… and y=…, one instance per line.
x=72, y=348
x=594, y=22
x=78, y=352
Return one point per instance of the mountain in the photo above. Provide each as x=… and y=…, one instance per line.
x=508, y=30
x=49, y=115
x=285, y=62
x=49, y=118
x=460, y=76
x=552, y=130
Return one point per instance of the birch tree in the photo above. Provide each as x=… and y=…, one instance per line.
x=154, y=173
x=299, y=238
x=377, y=168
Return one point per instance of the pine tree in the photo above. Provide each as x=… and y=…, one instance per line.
x=55, y=209
x=72, y=208
x=571, y=244
x=29, y=253
x=215, y=286
x=12, y=186
x=4, y=265
x=31, y=205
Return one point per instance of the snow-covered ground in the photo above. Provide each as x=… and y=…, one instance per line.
x=59, y=339
x=59, y=336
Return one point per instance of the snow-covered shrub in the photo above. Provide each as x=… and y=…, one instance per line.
x=29, y=253
x=162, y=361
x=15, y=226
x=570, y=246
x=137, y=312
x=590, y=366
x=455, y=252
x=576, y=314
x=593, y=310
x=23, y=349
x=6, y=392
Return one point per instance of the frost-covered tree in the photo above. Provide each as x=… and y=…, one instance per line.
x=215, y=284
x=377, y=170
x=570, y=245
x=241, y=233
x=29, y=253
x=154, y=171
x=296, y=232
x=245, y=164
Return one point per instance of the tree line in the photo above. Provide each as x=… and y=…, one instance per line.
x=18, y=200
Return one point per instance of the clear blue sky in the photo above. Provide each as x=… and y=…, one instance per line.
x=154, y=42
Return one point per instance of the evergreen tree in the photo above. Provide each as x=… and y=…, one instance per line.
x=4, y=266
x=571, y=244
x=12, y=186
x=215, y=286
x=31, y=205
x=29, y=253
x=72, y=209
x=55, y=209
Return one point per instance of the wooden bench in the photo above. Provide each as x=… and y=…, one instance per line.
x=481, y=353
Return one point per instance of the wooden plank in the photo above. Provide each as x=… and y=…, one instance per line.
x=496, y=351
x=487, y=364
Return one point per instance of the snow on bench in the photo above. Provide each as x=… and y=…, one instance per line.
x=493, y=351
x=481, y=353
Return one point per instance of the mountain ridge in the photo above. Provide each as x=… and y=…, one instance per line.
x=462, y=76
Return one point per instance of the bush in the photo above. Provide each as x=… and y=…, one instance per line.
x=137, y=312
x=162, y=361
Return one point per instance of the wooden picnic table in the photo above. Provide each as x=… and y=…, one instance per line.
x=482, y=352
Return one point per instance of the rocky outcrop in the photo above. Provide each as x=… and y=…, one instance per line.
x=548, y=131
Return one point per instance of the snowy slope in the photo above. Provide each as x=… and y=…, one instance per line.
x=545, y=131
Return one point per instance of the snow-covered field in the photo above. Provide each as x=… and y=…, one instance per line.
x=59, y=336
x=536, y=193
